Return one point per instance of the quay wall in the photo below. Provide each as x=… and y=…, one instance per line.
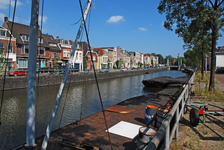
x=20, y=82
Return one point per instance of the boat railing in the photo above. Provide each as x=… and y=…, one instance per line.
x=168, y=130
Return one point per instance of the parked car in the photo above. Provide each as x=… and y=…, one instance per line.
x=123, y=69
x=220, y=70
x=104, y=70
x=19, y=72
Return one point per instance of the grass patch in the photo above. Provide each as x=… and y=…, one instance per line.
x=215, y=95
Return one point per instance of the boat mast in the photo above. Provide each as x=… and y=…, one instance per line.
x=49, y=127
x=31, y=81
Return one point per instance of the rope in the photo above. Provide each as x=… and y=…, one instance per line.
x=96, y=76
x=83, y=77
x=9, y=46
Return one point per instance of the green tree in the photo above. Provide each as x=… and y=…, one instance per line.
x=85, y=62
x=108, y=63
x=161, y=59
x=2, y=59
x=131, y=64
x=117, y=64
x=152, y=62
x=183, y=14
x=55, y=63
x=121, y=63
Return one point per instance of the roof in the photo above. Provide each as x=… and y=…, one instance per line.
x=51, y=41
x=100, y=51
x=20, y=29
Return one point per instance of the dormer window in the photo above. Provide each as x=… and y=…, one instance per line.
x=2, y=32
x=65, y=42
x=25, y=37
x=40, y=41
x=53, y=44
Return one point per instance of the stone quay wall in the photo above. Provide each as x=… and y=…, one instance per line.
x=20, y=82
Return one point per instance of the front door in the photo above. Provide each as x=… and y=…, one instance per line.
x=42, y=64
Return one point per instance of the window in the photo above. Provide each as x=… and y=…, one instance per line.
x=10, y=48
x=1, y=47
x=66, y=53
x=39, y=40
x=53, y=44
x=41, y=50
x=115, y=53
x=25, y=49
x=76, y=57
x=80, y=56
x=54, y=55
x=105, y=59
x=65, y=42
x=2, y=32
x=94, y=58
x=25, y=37
x=89, y=57
x=22, y=63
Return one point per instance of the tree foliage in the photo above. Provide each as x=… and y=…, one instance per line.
x=192, y=17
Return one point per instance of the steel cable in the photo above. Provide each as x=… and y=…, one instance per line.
x=96, y=76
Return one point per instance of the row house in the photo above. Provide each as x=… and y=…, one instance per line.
x=21, y=33
x=102, y=58
x=112, y=55
x=155, y=60
x=7, y=48
x=147, y=60
x=53, y=51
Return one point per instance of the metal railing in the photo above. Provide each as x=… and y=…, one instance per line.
x=166, y=130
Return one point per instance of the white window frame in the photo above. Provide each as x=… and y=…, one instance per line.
x=2, y=32
x=94, y=58
x=24, y=37
x=23, y=49
x=66, y=52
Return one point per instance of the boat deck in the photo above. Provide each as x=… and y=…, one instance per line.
x=91, y=130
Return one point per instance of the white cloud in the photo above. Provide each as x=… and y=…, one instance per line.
x=4, y=4
x=2, y=17
x=44, y=19
x=142, y=29
x=116, y=19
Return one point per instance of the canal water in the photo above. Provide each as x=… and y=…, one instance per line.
x=76, y=97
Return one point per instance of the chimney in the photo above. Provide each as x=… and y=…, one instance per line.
x=6, y=19
x=57, y=37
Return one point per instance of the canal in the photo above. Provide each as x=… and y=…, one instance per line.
x=76, y=97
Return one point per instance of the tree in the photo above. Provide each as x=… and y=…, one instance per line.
x=108, y=64
x=152, y=62
x=85, y=62
x=2, y=59
x=170, y=58
x=183, y=14
x=121, y=63
x=161, y=59
x=55, y=62
x=131, y=64
x=117, y=64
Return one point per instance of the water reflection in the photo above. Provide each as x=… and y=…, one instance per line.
x=113, y=91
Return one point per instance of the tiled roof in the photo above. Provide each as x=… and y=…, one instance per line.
x=100, y=51
x=21, y=29
x=50, y=39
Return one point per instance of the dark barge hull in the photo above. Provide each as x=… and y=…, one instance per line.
x=163, y=82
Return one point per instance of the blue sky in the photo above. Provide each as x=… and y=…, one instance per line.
x=134, y=25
